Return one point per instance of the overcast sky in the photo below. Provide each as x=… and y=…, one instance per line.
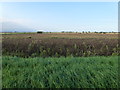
x=59, y=16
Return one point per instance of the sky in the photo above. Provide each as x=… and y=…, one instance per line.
x=59, y=16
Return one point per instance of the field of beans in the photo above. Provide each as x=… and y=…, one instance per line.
x=60, y=60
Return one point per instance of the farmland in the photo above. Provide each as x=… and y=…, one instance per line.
x=70, y=72
x=55, y=44
x=62, y=35
x=60, y=60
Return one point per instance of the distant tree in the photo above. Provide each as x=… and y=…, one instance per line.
x=100, y=32
x=70, y=32
x=86, y=32
x=39, y=32
x=95, y=32
x=104, y=32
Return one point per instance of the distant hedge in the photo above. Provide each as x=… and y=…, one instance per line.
x=39, y=32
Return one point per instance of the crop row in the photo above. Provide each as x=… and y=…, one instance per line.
x=60, y=47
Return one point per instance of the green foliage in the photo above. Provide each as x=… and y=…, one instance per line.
x=56, y=54
x=69, y=72
x=43, y=53
x=75, y=46
x=68, y=52
x=115, y=54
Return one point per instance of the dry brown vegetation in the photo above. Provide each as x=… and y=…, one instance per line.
x=60, y=44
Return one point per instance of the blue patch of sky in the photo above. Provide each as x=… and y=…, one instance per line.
x=63, y=16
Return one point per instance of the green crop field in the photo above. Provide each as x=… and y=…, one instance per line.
x=70, y=72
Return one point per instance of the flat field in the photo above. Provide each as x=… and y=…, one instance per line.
x=60, y=60
x=69, y=72
x=62, y=35
x=60, y=44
